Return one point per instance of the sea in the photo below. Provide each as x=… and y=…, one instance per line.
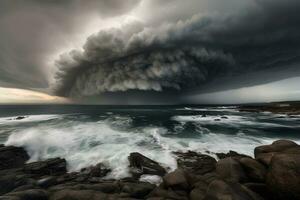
x=86, y=135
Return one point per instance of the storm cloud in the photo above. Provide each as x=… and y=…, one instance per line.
x=33, y=31
x=184, y=54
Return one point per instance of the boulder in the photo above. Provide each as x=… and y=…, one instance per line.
x=53, y=166
x=221, y=190
x=140, y=164
x=161, y=192
x=259, y=188
x=12, y=180
x=46, y=182
x=255, y=171
x=176, y=180
x=232, y=154
x=283, y=178
x=277, y=146
x=265, y=158
x=199, y=190
x=230, y=170
x=98, y=170
x=12, y=157
x=195, y=163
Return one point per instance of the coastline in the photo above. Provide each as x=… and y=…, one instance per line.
x=273, y=173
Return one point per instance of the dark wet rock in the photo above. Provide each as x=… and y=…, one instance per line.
x=137, y=190
x=140, y=164
x=98, y=170
x=232, y=154
x=12, y=157
x=46, y=182
x=53, y=166
x=12, y=180
x=204, y=115
x=260, y=189
x=217, y=120
x=265, y=158
x=230, y=169
x=277, y=146
x=176, y=180
x=78, y=195
x=221, y=190
x=224, y=117
x=195, y=163
x=255, y=171
x=283, y=178
x=20, y=117
x=33, y=194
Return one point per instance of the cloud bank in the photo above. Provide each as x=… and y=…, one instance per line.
x=185, y=54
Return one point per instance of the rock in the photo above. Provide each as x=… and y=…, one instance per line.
x=98, y=170
x=259, y=188
x=224, y=117
x=199, y=191
x=12, y=180
x=283, y=178
x=277, y=146
x=176, y=180
x=20, y=117
x=138, y=189
x=230, y=170
x=232, y=154
x=265, y=158
x=53, y=166
x=34, y=194
x=255, y=171
x=78, y=195
x=12, y=157
x=163, y=193
x=195, y=163
x=142, y=165
x=220, y=190
x=46, y=182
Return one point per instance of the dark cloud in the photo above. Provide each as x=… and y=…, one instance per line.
x=186, y=54
x=32, y=30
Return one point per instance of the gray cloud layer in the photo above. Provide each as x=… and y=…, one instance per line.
x=185, y=54
x=31, y=30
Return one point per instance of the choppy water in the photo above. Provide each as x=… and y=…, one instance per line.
x=87, y=135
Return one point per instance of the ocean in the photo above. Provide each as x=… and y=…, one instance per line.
x=87, y=135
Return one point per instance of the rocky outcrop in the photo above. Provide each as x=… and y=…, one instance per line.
x=140, y=164
x=272, y=175
x=12, y=157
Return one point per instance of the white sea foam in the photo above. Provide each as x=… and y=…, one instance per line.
x=110, y=141
x=26, y=119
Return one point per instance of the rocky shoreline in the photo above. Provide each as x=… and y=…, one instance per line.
x=274, y=173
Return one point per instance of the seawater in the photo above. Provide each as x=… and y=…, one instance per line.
x=87, y=135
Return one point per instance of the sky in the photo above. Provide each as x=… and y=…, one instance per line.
x=149, y=51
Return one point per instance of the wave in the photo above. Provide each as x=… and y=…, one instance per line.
x=27, y=118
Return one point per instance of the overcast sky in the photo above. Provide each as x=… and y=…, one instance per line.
x=149, y=51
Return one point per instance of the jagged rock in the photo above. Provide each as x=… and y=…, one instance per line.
x=20, y=117
x=176, y=180
x=232, y=154
x=220, y=190
x=140, y=164
x=53, y=166
x=283, y=178
x=98, y=170
x=230, y=170
x=195, y=163
x=254, y=170
x=12, y=157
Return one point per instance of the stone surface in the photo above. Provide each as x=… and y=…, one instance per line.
x=283, y=178
x=195, y=163
x=176, y=180
x=255, y=171
x=51, y=166
x=230, y=170
x=140, y=164
x=12, y=157
x=220, y=190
